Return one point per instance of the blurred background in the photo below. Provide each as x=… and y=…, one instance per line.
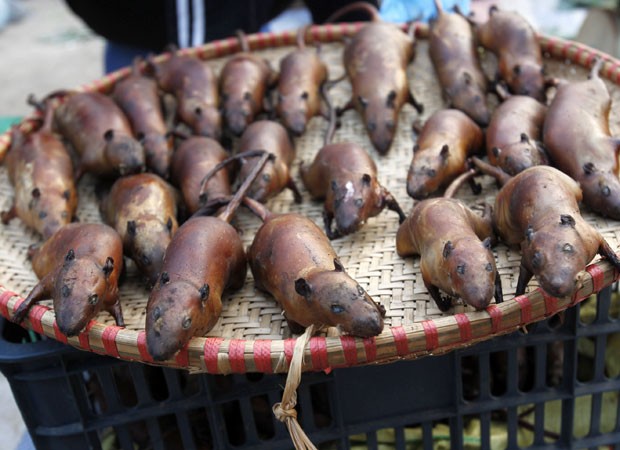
x=44, y=47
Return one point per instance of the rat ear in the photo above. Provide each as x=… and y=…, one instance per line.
x=486, y=243
x=131, y=228
x=204, y=292
x=108, y=266
x=108, y=135
x=447, y=249
x=70, y=256
x=338, y=267
x=303, y=288
x=445, y=152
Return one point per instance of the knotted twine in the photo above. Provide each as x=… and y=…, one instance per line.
x=285, y=410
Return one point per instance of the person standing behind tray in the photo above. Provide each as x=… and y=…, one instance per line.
x=140, y=27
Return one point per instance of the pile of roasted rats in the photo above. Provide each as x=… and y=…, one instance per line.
x=171, y=194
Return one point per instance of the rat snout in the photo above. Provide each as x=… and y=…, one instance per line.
x=69, y=323
x=368, y=326
x=297, y=126
x=557, y=286
x=381, y=140
x=237, y=121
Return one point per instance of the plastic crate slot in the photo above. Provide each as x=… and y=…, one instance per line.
x=321, y=405
x=526, y=368
x=263, y=417
x=201, y=428
x=586, y=350
x=156, y=382
x=233, y=422
x=555, y=363
x=470, y=377
x=499, y=369
x=128, y=435
x=184, y=430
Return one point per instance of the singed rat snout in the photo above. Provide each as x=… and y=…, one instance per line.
x=555, y=257
x=423, y=177
x=123, y=152
x=208, y=121
x=342, y=302
x=472, y=271
x=80, y=288
x=380, y=119
x=171, y=322
x=528, y=79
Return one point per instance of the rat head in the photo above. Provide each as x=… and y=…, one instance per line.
x=471, y=270
x=469, y=97
x=380, y=117
x=516, y=157
x=158, y=152
x=123, y=152
x=80, y=290
x=601, y=191
x=527, y=79
x=146, y=242
x=238, y=110
x=555, y=255
x=177, y=311
x=52, y=210
x=352, y=198
x=336, y=299
x=425, y=172
x=268, y=182
x=294, y=110
x=204, y=119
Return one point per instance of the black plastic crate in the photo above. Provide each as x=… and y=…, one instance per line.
x=524, y=390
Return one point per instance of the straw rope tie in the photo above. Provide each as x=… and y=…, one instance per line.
x=285, y=410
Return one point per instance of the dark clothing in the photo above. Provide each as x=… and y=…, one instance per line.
x=153, y=24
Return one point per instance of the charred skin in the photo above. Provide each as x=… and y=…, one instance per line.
x=513, y=40
x=138, y=97
x=514, y=135
x=187, y=298
x=453, y=53
x=345, y=176
x=538, y=211
x=41, y=173
x=195, y=87
x=276, y=175
x=292, y=259
x=302, y=73
x=454, y=245
x=142, y=209
x=448, y=137
x=579, y=143
x=78, y=268
x=376, y=62
x=100, y=133
x=194, y=158
x=243, y=84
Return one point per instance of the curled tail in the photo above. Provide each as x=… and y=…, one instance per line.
x=372, y=11
x=497, y=173
x=257, y=208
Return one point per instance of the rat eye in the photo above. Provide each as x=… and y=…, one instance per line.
x=266, y=177
x=360, y=290
x=187, y=322
x=93, y=299
x=337, y=309
x=359, y=202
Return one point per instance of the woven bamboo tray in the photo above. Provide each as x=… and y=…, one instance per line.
x=252, y=335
